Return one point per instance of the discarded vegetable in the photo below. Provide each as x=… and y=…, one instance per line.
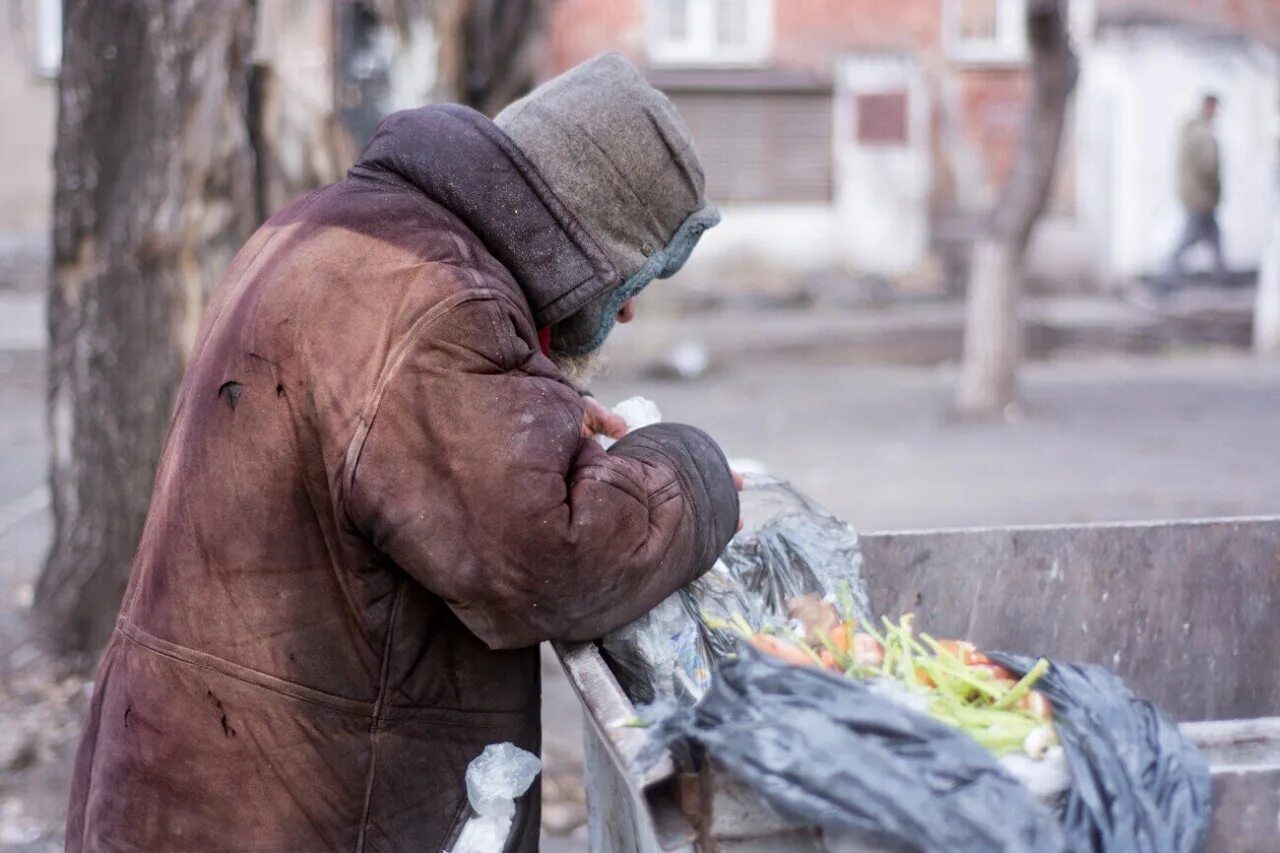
x=956, y=683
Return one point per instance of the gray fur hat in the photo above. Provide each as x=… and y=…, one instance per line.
x=615, y=150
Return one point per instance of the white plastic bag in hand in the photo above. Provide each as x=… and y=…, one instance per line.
x=636, y=412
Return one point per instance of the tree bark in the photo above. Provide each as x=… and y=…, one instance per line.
x=182, y=124
x=153, y=195
x=993, y=332
x=502, y=51
x=1266, y=314
x=482, y=53
x=298, y=137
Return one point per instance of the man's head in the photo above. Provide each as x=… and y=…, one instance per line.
x=1209, y=107
x=614, y=149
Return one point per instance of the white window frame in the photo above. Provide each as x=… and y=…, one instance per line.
x=1009, y=45
x=48, y=37
x=700, y=47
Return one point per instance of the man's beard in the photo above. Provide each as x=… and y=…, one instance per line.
x=580, y=369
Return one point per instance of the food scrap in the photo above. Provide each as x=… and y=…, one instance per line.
x=950, y=680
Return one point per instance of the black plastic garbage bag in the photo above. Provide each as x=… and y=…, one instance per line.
x=1137, y=784
x=827, y=751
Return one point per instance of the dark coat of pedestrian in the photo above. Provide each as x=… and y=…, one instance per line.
x=1199, y=188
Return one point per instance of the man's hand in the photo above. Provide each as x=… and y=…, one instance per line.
x=598, y=420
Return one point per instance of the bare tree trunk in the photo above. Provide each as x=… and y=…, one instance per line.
x=993, y=331
x=502, y=51
x=298, y=137
x=181, y=125
x=154, y=194
x=482, y=53
x=1266, y=314
x=175, y=137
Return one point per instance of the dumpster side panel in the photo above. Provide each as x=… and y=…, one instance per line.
x=616, y=821
x=1186, y=612
x=1246, y=811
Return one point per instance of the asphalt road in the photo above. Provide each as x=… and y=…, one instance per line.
x=1101, y=440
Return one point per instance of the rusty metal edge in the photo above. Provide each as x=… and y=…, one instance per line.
x=608, y=707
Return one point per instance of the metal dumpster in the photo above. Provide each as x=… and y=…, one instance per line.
x=1183, y=611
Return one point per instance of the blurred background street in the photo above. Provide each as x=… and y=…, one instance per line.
x=915, y=314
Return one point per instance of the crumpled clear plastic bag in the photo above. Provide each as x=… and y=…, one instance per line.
x=788, y=546
x=495, y=780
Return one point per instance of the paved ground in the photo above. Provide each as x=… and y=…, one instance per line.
x=1116, y=438
x=1105, y=439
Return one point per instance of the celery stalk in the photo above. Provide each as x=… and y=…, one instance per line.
x=1024, y=685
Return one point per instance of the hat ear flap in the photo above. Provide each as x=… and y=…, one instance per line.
x=595, y=321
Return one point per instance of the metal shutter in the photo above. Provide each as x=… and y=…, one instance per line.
x=761, y=146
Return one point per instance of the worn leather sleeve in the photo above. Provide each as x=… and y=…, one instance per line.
x=472, y=476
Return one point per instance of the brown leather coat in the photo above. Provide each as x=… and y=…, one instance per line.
x=372, y=503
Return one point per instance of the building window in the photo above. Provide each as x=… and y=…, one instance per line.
x=710, y=32
x=48, y=37
x=881, y=119
x=985, y=31
x=761, y=146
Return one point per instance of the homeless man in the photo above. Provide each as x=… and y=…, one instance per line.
x=376, y=497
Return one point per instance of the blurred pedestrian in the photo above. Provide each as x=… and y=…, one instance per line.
x=1200, y=189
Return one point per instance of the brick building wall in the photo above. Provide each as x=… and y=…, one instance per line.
x=812, y=33
x=1259, y=19
x=975, y=105
x=582, y=28
x=991, y=112
x=808, y=34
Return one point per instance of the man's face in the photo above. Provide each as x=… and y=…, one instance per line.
x=581, y=369
x=626, y=313
x=1210, y=108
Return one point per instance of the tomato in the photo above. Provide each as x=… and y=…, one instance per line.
x=961, y=649
x=840, y=637
x=867, y=651
x=994, y=671
x=1037, y=703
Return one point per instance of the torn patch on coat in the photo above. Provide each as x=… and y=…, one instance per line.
x=230, y=392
